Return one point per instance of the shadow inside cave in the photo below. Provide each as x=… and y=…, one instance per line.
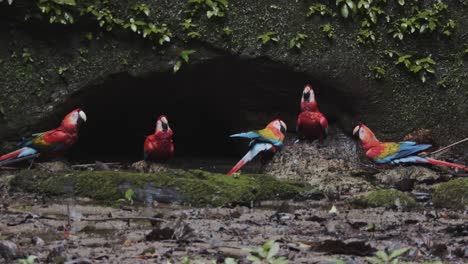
x=204, y=103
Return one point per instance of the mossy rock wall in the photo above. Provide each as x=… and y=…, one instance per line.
x=196, y=188
x=65, y=63
x=452, y=194
x=388, y=198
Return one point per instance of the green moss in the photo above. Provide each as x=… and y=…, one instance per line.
x=195, y=187
x=452, y=194
x=384, y=198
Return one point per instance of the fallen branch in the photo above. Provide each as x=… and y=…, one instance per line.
x=123, y=219
x=447, y=147
x=31, y=216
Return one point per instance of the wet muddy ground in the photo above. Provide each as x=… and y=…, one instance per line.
x=307, y=232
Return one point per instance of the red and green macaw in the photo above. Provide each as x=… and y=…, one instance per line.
x=159, y=146
x=268, y=139
x=51, y=143
x=311, y=123
x=396, y=152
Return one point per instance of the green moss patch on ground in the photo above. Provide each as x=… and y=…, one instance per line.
x=194, y=187
x=452, y=194
x=388, y=198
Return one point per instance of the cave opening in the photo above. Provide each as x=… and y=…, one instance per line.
x=204, y=103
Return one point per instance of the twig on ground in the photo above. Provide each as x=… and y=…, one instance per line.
x=124, y=219
x=447, y=147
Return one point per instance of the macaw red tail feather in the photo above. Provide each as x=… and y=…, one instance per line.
x=18, y=155
x=11, y=155
x=447, y=164
x=239, y=165
x=254, y=150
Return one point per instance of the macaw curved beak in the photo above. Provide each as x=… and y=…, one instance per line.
x=82, y=116
x=164, y=124
x=306, y=96
x=356, y=129
x=283, y=126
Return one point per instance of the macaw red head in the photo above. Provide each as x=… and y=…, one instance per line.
x=74, y=119
x=162, y=125
x=308, y=102
x=365, y=134
x=278, y=125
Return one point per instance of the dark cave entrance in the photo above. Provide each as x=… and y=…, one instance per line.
x=204, y=103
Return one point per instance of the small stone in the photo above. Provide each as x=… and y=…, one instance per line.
x=8, y=249
x=404, y=178
x=37, y=241
x=53, y=166
x=149, y=167
x=57, y=253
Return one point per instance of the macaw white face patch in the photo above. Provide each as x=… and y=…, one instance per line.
x=162, y=123
x=308, y=94
x=285, y=128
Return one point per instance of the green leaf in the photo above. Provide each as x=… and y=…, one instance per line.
x=423, y=77
x=430, y=60
x=374, y=260
x=177, y=66
x=334, y=261
x=253, y=258
x=344, y=11
x=65, y=2
x=281, y=260
x=224, y=3
x=129, y=194
x=230, y=261
x=416, y=68
x=351, y=5
x=382, y=255
x=194, y=35
x=373, y=17
x=273, y=250
x=401, y=2
x=268, y=245
x=185, y=54
x=423, y=28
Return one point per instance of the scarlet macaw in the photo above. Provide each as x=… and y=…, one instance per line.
x=268, y=139
x=396, y=152
x=311, y=123
x=51, y=143
x=159, y=146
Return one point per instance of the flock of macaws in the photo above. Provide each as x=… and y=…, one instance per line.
x=311, y=125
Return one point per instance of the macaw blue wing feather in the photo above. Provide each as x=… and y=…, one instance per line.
x=251, y=135
x=408, y=148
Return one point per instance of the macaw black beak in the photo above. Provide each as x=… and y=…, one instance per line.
x=164, y=126
x=306, y=96
x=283, y=129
